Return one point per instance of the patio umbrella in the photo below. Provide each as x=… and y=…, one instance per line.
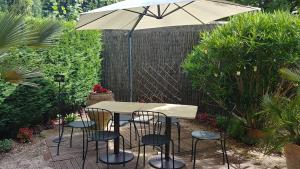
x=145, y=14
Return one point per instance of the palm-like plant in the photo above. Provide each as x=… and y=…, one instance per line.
x=282, y=115
x=14, y=32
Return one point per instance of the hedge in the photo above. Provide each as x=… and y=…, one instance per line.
x=76, y=54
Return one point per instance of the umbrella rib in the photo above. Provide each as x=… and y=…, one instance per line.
x=151, y=12
x=189, y=13
x=96, y=19
x=128, y=10
x=177, y=9
x=139, y=19
x=165, y=10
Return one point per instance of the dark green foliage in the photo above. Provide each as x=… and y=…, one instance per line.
x=238, y=62
x=25, y=107
x=234, y=128
x=5, y=145
x=75, y=55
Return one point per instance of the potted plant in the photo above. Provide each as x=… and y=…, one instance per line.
x=70, y=118
x=283, y=126
x=99, y=94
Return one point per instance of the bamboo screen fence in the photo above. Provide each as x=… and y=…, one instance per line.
x=157, y=58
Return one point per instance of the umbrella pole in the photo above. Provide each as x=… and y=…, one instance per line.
x=130, y=65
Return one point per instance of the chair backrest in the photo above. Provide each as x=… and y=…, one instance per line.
x=148, y=123
x=101, y=118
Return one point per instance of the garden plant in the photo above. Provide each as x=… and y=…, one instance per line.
x=281, y=109
x=238, y=62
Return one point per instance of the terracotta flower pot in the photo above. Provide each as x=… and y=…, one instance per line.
x=292, y=155
x=94, y=98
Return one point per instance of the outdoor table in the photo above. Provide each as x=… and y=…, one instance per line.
x=170, y=110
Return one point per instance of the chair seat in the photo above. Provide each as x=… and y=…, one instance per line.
x=80, y=124
x=155, y=140
x=206, y=135
x=104, y=135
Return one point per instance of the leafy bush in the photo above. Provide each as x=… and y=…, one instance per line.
x=76, y=55
x=238, y=62
x=5, y=145
x=233, y=127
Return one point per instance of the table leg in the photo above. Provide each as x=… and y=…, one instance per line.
x=155, y=162
x=168, y=133
x=116, y=157
x=117, y=129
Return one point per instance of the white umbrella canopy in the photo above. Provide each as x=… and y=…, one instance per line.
x=145, y=14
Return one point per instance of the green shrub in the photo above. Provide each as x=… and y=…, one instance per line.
x=75, y=55
x=5, y=145
x=233, y=127
x=238, y=62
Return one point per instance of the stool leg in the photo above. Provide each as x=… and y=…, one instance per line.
x=226, y=154
x=195, y=150
x=71, y=137
x=223, y=152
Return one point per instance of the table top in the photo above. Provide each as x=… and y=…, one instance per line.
x=171, y=110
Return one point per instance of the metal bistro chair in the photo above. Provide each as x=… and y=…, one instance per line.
x=152, y=133
x=101, y=131
x=208, y=135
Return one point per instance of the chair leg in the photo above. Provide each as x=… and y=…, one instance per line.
x=71, y=137
x=178, y=129
x=107, y=154
x=161, y=156
x=195, y=150
x=85, y=151
x=173, y=152
x=130, y=143
x=83, y=143
x=138, y=157
x=97, y=152
x=123, y=150
x=144, y=162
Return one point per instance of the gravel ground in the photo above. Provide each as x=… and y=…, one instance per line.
x=29, y=155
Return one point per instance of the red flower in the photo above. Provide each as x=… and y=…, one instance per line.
x=99, y=89
x=25, y=134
